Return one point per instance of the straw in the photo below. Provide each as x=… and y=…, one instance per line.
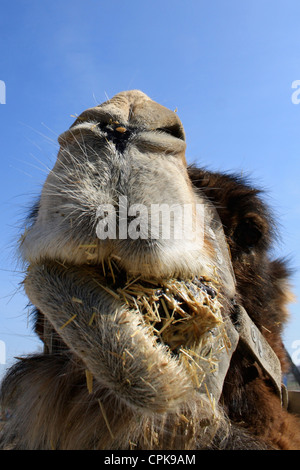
x=179, y=313
x=105, y=419
x=89, y=380
x=68, y=321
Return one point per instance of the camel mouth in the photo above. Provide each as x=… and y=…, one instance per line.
x=179, y=313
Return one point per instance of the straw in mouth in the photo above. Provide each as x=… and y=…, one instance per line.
x=184, y=315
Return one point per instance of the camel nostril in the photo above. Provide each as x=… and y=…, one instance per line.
x=116, y=133
x=174, y=130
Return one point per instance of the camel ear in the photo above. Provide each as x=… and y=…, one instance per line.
x=249, y=232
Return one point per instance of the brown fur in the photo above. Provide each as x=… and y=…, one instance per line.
x=263, y=287
x=150, y=403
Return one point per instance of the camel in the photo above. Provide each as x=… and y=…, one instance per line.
x=155, y=295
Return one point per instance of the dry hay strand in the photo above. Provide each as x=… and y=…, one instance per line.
x=89, y=380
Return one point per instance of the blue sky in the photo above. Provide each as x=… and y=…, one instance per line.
x=228, y=67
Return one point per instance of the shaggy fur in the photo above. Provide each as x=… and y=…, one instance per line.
x=104, y=381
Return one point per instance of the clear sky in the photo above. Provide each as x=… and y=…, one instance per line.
x=227, y=66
